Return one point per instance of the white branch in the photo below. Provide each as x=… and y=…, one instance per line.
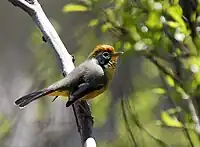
x=52, y=37
x=34, y=9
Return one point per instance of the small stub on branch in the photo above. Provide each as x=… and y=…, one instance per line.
x=44, y=39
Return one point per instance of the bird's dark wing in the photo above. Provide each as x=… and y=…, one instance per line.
x=82, y=90
x=93, y=79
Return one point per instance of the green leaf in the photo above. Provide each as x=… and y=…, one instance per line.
x=173, y=24
x=93, y=22
x=170, y=121
x=127, y=46
x=106, y=27
x=74, y=8
x=119, y=3
x=174, y=110
x=110, y=14
x=159, y=90
x=154, y=21
x=176, y=13
x=170, y=81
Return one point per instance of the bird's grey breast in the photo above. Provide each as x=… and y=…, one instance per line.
x=94, y=73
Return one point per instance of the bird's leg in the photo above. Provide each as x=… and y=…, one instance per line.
x=55, y=98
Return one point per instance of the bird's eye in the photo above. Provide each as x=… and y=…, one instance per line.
x=105, y=54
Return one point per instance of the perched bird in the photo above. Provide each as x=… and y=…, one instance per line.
x=86, y=81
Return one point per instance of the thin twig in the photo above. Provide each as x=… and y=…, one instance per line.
x=137, y=122
x=126, y=123
x=164, y=70
x=185, y=129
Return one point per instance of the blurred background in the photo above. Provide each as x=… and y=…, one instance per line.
x=153, y=98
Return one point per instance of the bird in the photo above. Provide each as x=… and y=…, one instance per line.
x=86, y=81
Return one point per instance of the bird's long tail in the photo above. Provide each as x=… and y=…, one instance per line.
x=25, y=100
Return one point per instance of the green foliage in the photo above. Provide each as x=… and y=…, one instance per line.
x=158, y=32
x=165, y=45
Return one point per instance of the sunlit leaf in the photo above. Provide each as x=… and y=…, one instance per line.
x=93, y=22
x=176, y=13
x=170, y=121
x=119, y=3
x=170, y=81
x=127, y=46
x=173, y=24
x=74, y=8
x=154, y=20
x=106, y=27
x=159, y=90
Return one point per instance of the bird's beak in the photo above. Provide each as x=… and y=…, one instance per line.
x=116, y=55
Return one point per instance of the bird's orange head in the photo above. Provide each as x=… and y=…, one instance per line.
x=106, y=52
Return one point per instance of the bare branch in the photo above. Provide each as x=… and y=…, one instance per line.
x=185, y=129
x=34, y=9
x=27, y=7
x=194, y=115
